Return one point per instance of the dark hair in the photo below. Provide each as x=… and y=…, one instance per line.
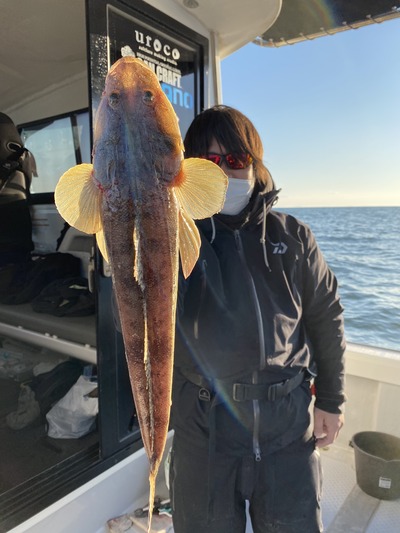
x=230, y=128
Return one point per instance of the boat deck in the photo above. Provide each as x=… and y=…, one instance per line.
x=345, y=507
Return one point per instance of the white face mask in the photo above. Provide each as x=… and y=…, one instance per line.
x=237, y=195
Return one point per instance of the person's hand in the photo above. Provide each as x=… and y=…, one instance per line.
x=326, y=427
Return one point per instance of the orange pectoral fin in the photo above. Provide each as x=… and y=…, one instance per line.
x=78, y=199
x=101, y=243
x=189, y=243
x=200, y=188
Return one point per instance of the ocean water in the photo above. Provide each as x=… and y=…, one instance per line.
x=362, y=247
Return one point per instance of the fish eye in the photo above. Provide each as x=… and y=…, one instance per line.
x=113, y=99
x=148, y=97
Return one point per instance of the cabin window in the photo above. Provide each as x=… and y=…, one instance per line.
x=57, y=144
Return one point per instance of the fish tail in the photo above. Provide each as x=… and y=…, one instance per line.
x=152, y=482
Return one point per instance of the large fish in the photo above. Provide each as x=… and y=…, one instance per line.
x=140, y=198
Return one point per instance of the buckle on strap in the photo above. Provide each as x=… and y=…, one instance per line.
x=262, y=391
x=240, y=392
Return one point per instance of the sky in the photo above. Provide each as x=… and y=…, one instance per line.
x=328, y=114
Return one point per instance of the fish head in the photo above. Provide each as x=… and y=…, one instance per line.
x=133, y=88
x=136, y=116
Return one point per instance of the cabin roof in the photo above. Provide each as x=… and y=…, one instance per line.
x=42, y=44
x=301, y=20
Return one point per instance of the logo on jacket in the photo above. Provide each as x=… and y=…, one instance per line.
x=279, y=247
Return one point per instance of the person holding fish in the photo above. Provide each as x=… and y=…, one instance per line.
x=259, y=319
x=258, y=311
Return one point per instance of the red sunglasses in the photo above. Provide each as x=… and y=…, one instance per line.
x=233, y=161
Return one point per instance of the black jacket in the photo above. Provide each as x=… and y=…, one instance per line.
x=260, y=299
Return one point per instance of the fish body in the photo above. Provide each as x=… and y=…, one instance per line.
x=134, y=165
x=140, y=198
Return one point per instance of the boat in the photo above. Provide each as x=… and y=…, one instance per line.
x=54, y=56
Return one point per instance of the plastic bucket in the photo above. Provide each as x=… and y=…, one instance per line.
x=377, y=459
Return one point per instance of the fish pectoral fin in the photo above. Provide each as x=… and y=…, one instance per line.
x=101, y=243
x=189, y=242
x=201, y=187
x=78, y=199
